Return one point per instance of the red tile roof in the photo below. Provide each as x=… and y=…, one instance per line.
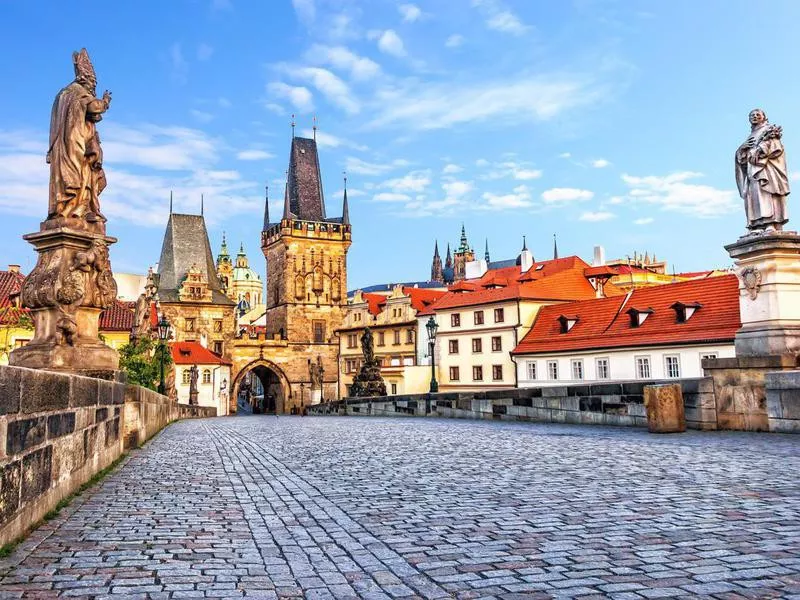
x=10, y=284
x=117, y=317
x=422, y=298
x=604, y=322
x=375, y=303
x=10, y=314
x=192, y=353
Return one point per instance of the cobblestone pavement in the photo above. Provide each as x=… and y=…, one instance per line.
x=354, y=507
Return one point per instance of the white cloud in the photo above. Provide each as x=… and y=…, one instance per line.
x=306, y=10
x=565, y=155
x=333, y=88
x=482, y=162
x=451, y=168
x=156, y=147
x=457, y=189
x=499, y=17
x=203, y=117
x=415, y=181
x=204, y=51
x=179, y=65
x=254, y=155
x=596, y=216
x=513, y=169
x=616, y=200
x=362, y=167
x=527, y=174
x=521, y=198
x=562, y=195
x=454, y=41
x=673, y=193
x=391, y=197
x=300, y=97
x=644, y=221
x=389, y=42
x=327, y=140
x=339, y=57
x=600, y=163
x=424, y=106
x=409, y=12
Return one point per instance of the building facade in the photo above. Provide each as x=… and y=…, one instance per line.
x=662, y=332
x=213, y=375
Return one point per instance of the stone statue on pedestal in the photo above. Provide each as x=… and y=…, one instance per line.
x=761, y=175
x=72, y=281
x=368, y=381
x=194, y=373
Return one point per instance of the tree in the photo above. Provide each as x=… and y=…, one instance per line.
x=141, y=362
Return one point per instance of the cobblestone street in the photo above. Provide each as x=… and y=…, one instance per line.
x=270, y=507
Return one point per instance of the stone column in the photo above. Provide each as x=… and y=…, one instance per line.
x=67, y=290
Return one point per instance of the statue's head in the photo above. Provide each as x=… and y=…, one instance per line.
x=757, y=117
x=84, y=71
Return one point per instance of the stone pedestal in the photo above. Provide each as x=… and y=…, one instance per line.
x=66, y=292
x=664, y=406
x=768, y=266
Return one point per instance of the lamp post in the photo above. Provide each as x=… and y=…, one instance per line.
x=432, y=328
x=302, y=397
x=163, y=336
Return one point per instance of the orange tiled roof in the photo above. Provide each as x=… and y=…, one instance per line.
x=10, y=283
x=604, y=322
x=192, y=353
x=375, y=303
x=422, y=298
x=117, y=317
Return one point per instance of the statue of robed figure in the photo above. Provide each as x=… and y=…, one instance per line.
x=76, y=160
x=761, y=175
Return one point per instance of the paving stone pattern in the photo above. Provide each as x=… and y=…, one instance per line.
x=278, y=507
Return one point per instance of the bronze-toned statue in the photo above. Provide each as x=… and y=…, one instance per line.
x=761, y=175
x=76, y=160
x=368, y=381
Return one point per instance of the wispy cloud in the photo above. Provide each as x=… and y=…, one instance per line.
x=600, y=163
x=454, y=41
x=362, y=167
x=328, y=140
x=594, y=217
x=451, y=169
x=500, y=18
x=644, y=221
x=254, y=155
x=180, y=68
x=415, y=181
x=409, y=12
x=339, y=57
x=389, y=42
x=300, y=97
x=675, y=192
x=306, y=10
x=564, y=195
x=204, y=51
x=330, y=86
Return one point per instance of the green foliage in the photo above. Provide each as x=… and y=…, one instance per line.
x=141, y=361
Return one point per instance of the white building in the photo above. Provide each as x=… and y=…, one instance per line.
x=661, y=332
x=213, y=375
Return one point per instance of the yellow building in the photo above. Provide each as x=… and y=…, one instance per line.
x=645, y=271
x=393, y=321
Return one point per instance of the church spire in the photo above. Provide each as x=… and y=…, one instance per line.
x=555, y=247
x=464, y=244
x=170, y=202
x=448, y=262
x=266, y=207
x=202, y=202
x=437, y=274
x=345, y=207
x=287, y=213
x=486, y=254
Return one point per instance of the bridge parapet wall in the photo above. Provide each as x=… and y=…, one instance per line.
x=58, y=430
x=620, y=404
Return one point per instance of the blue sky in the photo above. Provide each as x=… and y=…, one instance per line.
x=606, y=122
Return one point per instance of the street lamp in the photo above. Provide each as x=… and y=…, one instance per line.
x=302, y=397
x=432, y=328
x=163, y=336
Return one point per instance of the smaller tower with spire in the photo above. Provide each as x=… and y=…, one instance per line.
x=437, y=272
x=486, y=254
x=462, y=256
x=224, y=267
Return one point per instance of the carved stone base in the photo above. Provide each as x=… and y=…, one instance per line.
x=66, y=291
x=768, y=266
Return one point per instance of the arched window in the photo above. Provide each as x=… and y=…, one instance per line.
x=186, y=376
x=206, y=375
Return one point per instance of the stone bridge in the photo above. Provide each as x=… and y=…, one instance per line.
x=349, y=507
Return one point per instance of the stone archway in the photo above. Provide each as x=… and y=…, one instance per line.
x=262, y=376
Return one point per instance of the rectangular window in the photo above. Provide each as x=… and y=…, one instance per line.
x=218, y=348
x=189, y=325
x=499, y=315
x=381, y=341
x=672, y=366
x=358, y=316
x=530, y=367
x=497, y=343
x=452, y=346
x=577, y=369
x=603, y=369
x=396, y=337
x=643, y=367
x=394, y=389
x=217, y=325
x=455, y=320
x=319, y=332
x=410, y=336
x=552, y=369
x=478, y=317
x=477, y=373
x=352, y=340
x=477, y=345
x=497, y=372
x=454, y=376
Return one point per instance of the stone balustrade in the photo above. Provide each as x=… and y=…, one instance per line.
x=58, y=430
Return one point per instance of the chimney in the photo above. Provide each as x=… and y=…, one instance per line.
x=525, y=261
x=13, y=268
x=599, y=256
x=475, y=268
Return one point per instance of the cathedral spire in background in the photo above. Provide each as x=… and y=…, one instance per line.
x=437, y=273
x=345, y=206
x=266, y=207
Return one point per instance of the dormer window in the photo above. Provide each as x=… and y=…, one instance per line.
x=567, y=322
x=684, y=310
x=639, y=315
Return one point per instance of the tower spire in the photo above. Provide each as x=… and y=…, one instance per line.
x=287, y=213
x=292, y=125
x=555, y=247
x=202, y=202
x=345, y=206
x=486, y=254
x=170, y=202
x=266, y=207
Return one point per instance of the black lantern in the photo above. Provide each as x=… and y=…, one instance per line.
x=163, y=329
x=432, y=328
x=163, y=336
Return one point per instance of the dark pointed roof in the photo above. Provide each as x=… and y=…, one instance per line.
x=486, y=254
x=345, y=206
x=186, y=244
x=266, y=208
x=304, y=189
x=436, y=249
x=555, y=247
